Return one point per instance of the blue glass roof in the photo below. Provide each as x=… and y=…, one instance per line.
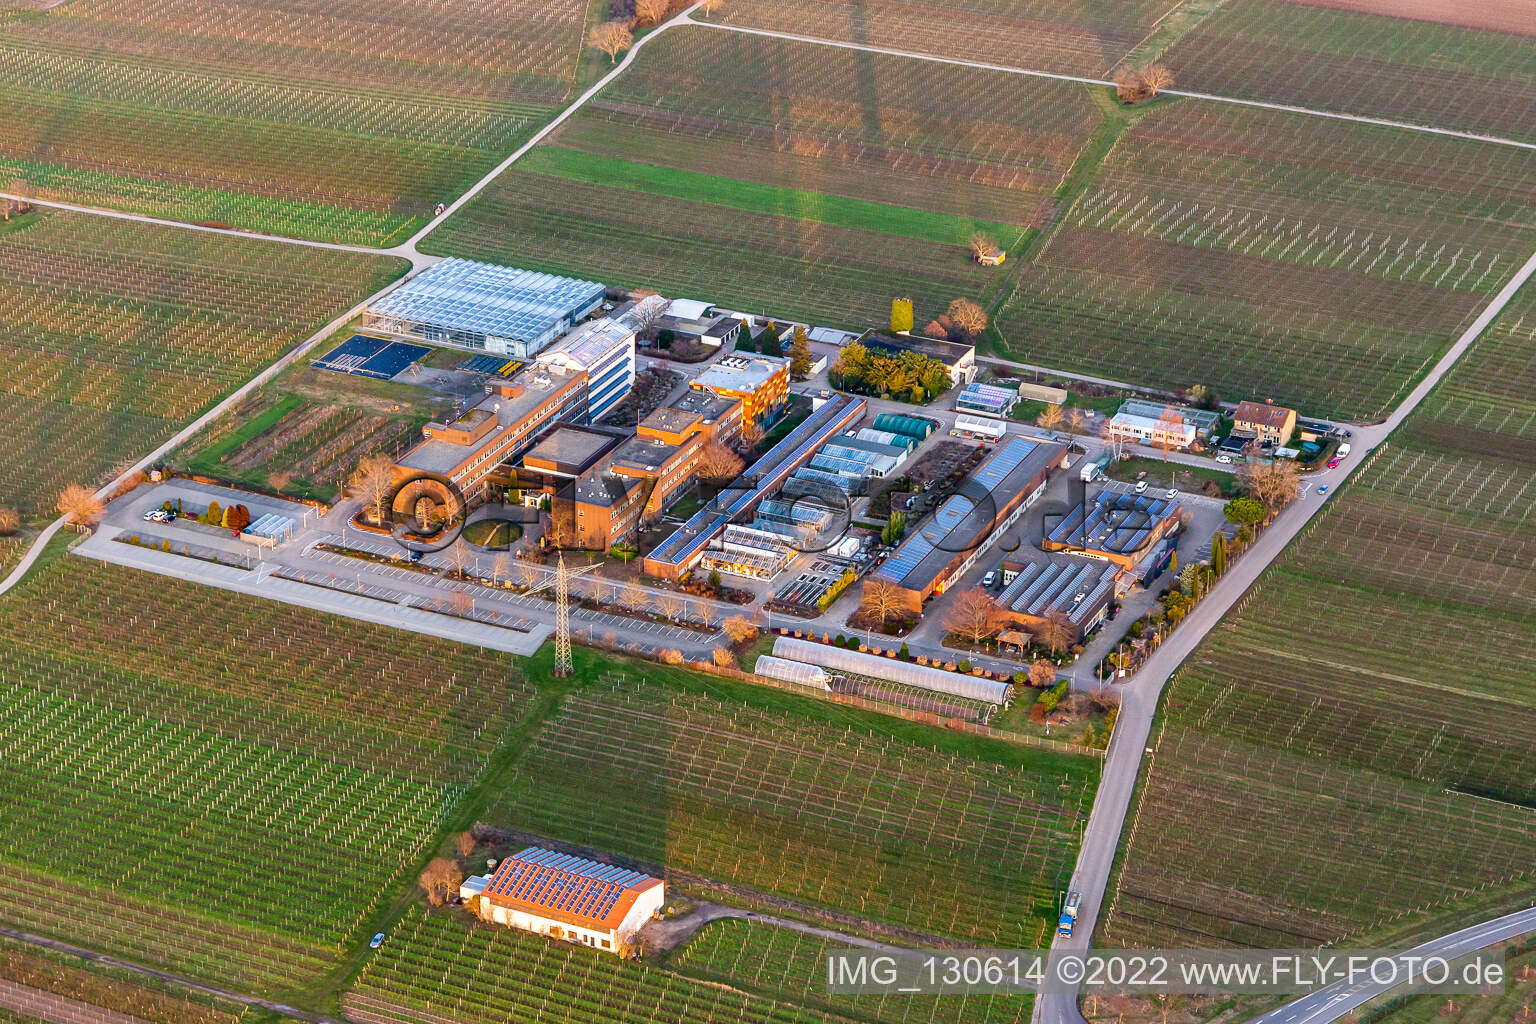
x=482, y=298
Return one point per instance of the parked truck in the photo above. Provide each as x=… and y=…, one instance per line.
x=1069, y=913
x=1343, y=451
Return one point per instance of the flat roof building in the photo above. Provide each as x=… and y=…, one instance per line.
x=695, y=412
x=1118, y=526
x=760, y=382
x=569, y=451
x=482, y=307
x=1035, y=587
x=605, y=351
x=966, y=525
x=566, y=897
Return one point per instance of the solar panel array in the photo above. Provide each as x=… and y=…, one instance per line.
x=482, y=298
x=1116, y=522
x=562, y=882
x=986, y=398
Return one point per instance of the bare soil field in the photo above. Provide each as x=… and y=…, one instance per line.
x=1518, y=16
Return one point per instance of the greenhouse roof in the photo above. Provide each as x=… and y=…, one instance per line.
x=921, y=676
x=482, y=298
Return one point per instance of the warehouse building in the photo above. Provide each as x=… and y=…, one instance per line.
x=481, y=307
x=1118, y=526
x=1035, y=587
x=566, y=897
x=966, y=525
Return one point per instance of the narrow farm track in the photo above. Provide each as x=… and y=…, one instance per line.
x=1083, y=80
x=1140, y=697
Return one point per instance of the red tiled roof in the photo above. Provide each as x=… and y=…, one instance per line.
x=1261, y=413
x=566, y=888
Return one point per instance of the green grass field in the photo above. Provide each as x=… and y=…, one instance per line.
x=819, y=197
x=345, y=122
x=1323, y=264
x=116, y=333
x=192, y=797
x=1361, y=734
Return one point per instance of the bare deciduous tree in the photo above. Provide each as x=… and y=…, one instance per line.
x=718, y=464
x=708, y=7
x=631, y=597
x=1056, y=631
x=373, y=483
x=974, y=616
x=651, y=12
x=500, y=566
x=1050, y=418
x=10, y=521
x=279, y=479
x=740, y=629
x=80, y=507
x=465, y=844
x=461, y=556
x=1168, y=434
x=670, y=656
x=1128, y=85
x=1156, y=78
x=882, y=599
x=670, y=605
x=1042, y=673
x=968, y=317
x=529, y=575
x=1076, y=420
x=440, y=879
x=461, y=603
x=751, y=431
x=1274, y=484
x=982, y=245
x=613, y=38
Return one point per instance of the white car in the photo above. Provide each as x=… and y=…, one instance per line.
x=1173, y=492
x=1225, y=460
x=156, y=515
x=1141, y=487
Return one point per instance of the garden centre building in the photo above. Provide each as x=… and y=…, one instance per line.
x=482, y=307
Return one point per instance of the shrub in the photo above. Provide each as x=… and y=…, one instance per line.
x=841, y=641
x=904, y=654
x=965, y=665
x=671, y=656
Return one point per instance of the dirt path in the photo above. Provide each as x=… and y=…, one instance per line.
x=665, y=936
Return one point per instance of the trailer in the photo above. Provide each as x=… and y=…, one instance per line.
x=979, y=428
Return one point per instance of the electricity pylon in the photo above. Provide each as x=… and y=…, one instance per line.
x=562, y=584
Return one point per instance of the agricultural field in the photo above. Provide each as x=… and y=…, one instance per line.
x=59, y=988
x=1077, y=37
x=336, y=120
x=819, y=197
x=939, y=842
x=1405, y=712
x=447, y=966
x=1355, y=62
x=305, y=432
x=116, y=333
x=1323, y=264
x=785, y=964
x=233, y=800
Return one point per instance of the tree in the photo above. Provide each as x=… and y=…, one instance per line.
x=1042, y=673
x=1129, y=86
x=373, y=481
x=1168, y=434
x=10, y=521
x=279, y=479
x=670, y=656
x=669, y=605
x=440, y=880
x=80, y=507
x=901, y=316
x=718, y=464
x=529, y=575
x=968, y=317
x=982, y=244
x=740, y=629
x=893, y=530
x=1056, y=631
x=724, y=658
x=499, y=566
x=235, y=517
x=768, y=342
x=461, y=557
x=1155, y=78
x=613, y=38
x=214, y=515
x=1274, y=484
x=974, y=616
x=465, y=844
x=1076, y=420
x=1050, y=418
x=1244, y=511
x=651, y=12
x=744, y=340
x=751, y=431
x=800, y=358
x=1219, y=553
x=631, y=597
x=708, y=7
x=882, y=599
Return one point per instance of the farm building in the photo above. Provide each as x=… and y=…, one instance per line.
x=967, y=524
x=987, y=400
x=1034, y=587
x=566, y=897
x=1117, y=525
x=872, y=666
x=958, y=358
x=1205, y=421
x=696, y=321
x=1174, y=432
x=484, y=308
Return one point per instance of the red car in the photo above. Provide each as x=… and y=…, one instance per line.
x=1333, y=463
